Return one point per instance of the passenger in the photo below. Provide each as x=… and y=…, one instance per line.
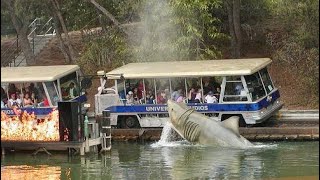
x=176, y=94
x=130, y=99
x=12, y=102
x=12, y=89
x=210, y=98
x=181, y=98
x=27, y=100
x=72, y=90
x=192, y=95
x=32, y=88
x=238, y=88
x=198, y=97
x=161, y=98
x=20, y=99
x=140, y=89
x=3, y=94
x=136, y=96
x=3, y=105
x=34, y=99
x=150, y=98
x=45, y=101
x=207, y=86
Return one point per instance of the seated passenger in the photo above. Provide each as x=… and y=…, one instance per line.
x=27, y=100
x=72, y=91
x=238, y=87
x=161, y=98
x=181, y=98
x=136, y=95
x=197, y=99
x=210, y=98
x=34, y=99
x=45, y=101
x=149, y=98
x=20, y=99
x=130, y=99
x=176, y=94
x=12, y=102
x=3, y=105
x=192, y=95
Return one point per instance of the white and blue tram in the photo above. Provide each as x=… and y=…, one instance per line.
x=242, y=87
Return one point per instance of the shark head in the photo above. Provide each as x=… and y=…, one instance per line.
x=176, y=111
x=179, y=116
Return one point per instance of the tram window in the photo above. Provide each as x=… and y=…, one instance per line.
x=52, y=91
x=234, y=90
x=266, y=80
x=66, y=83
x=255, y=86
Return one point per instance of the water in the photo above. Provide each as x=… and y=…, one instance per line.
x=179, y=160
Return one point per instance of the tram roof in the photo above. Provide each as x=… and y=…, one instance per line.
x=35, y=73
x=223, y=67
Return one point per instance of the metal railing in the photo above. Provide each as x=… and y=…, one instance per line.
x=47, y=29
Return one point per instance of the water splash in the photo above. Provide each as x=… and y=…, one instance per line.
x=166, y=139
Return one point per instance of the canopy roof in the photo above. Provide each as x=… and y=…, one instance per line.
x=223, y=67
x=35, y=73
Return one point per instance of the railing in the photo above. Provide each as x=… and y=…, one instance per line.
x=46, y=29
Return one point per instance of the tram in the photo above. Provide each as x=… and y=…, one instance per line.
x=136, y=93
x=36, y=103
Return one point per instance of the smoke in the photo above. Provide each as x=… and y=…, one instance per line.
x=155, y=38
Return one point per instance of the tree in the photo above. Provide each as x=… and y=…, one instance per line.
x=233, y=8
x=65, y=44
x=20, y=17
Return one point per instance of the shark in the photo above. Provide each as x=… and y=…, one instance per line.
x=198, y=128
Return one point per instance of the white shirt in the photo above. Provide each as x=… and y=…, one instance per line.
x=71, y=93
x=211, y=99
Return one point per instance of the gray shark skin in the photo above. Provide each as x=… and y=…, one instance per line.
x=200, y=129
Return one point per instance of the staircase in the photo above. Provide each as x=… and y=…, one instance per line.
x=39, y=37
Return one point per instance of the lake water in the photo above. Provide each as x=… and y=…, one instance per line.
x=173, y=160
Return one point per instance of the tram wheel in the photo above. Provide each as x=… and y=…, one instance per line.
x=131, y=122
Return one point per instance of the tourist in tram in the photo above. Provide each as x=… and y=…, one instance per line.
x=34, y=99
x=181, y=98
x=176, y=94
x=72, y=90
x=3, y=105
x=192, y=95
x=12, y=102
x=12, y=89
x=27, y=100
x=3, y=94
x=161, y=98
x=210, y=98
x=136, y=95
x=130, y=99
x=32, y=88
x=150, y=98
x=20, y=99
x=198, y=96
x=140, y=88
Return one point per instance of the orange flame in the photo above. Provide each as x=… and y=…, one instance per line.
x=26, y=127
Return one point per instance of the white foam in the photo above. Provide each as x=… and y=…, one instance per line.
x=166, y=138
x=264, y=145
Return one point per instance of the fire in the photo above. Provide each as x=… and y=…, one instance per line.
x=26, y=127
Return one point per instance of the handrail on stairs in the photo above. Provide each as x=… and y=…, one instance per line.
x=35, y=26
